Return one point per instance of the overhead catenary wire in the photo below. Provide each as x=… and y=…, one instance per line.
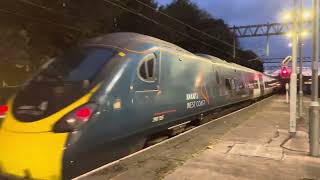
x=48, y=9
x=184, y=34
x=189, y=26
x=137, y=13
x=40, y=20
x=51, y=10
x=165, y=26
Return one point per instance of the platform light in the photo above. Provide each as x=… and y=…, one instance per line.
x=286, y=16
x=290, y=45
x=306, y=15
x=304, y=33
x=289, y=34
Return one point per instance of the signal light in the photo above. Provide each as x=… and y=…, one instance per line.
x=284, y=72
x=3, y=109
x=76, y=119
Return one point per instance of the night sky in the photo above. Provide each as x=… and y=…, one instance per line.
x=246, y=12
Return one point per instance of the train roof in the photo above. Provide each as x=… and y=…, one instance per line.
x=220, y=61
x=139, y=42
x=268, y=78
x=133, y=41
x=212, y=58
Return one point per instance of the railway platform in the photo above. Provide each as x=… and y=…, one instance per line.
x=251, y=143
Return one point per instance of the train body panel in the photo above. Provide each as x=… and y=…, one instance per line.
x=269, y=85
x=257, y=90
x=146, y=86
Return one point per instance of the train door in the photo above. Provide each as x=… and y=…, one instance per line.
x=250, y=84
x=230, y=88
x=256, y=87
x=233, y=87
x=218, y=90
x=239, y=87
x=240, y=82
x=261, y=82
x=146, y=88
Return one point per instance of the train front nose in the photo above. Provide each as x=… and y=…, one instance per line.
x=33, y=149
x=31, y=155
x=30, y=149
x=57, y=101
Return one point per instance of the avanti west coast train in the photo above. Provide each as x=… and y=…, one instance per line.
x=105, y=98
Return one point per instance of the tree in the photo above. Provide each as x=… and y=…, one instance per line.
x=53, y=26
x=189, y=13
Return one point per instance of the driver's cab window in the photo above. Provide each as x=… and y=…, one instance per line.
x=147, y=73
x=146, y=69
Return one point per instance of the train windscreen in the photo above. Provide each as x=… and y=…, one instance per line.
x=60, y=83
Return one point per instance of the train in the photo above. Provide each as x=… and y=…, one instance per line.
x=108, y=96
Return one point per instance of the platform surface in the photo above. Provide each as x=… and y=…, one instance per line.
x=252, y=143
x=259, y=148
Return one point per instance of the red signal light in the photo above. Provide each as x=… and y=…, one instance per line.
x=284, y=72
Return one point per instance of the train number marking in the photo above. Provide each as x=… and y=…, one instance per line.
x=158, y=118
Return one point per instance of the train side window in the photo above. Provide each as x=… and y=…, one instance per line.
x=256, y=86
x=228, y=84
x=267, y=84
x=240, y=84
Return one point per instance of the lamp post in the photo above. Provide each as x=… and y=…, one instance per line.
x=300, y=100
x=303, y=16
x=293, y=76
x=314, y=105
x=297, y=34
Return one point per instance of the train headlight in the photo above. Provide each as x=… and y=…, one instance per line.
x=74, y=120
